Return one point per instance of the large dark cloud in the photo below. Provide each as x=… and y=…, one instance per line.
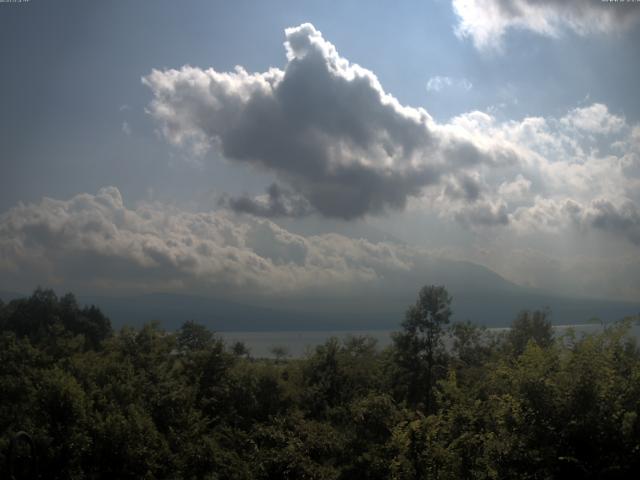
x=342, y=147
x=278, y=202
x=324, y=126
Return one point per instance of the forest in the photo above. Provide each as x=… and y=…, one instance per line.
x=79, y=400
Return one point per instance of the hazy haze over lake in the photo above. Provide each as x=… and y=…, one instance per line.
x=298, y=343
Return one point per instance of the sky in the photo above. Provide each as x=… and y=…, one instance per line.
x=284, y=149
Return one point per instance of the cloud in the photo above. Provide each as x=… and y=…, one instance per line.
x=438, y=83
x=595, y=118
x=515, y=190
x=547, y=215
x=464, y=187
x=278, y=202
x=621, y=219
x=95, y=242
x=484, y=214
x=564, y=272
x=487, y=21
x=323, y=125
x=340, y=146
x=568, y=169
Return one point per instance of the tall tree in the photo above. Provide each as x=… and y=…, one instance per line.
x=193, y=336
x=531, y=326
x=419, y=346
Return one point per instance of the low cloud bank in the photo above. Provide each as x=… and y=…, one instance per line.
x=96, y=242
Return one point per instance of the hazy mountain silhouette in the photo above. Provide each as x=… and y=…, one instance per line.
x=479, y=295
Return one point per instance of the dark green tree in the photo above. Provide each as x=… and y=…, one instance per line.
x=534, y=326
x=470, y=344
x=150, y=403
x=57, y=323
x=240, y=349
x=194, y=336
x=280, y=353
x=419, y=349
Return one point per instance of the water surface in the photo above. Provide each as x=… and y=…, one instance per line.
x=297, y=343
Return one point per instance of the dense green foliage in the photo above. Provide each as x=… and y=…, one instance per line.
x=443, y=402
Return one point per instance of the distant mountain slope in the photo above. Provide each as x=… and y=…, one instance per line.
x=7, y=296
x=172, y=310
x=495, y=309
x=479, y=295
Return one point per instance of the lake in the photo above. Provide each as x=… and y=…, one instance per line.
x=298, y=343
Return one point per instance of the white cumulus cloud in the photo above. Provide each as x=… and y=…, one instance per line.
x=486, y=22
x=439, y=83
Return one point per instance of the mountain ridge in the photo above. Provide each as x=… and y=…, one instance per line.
x=479, y=295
